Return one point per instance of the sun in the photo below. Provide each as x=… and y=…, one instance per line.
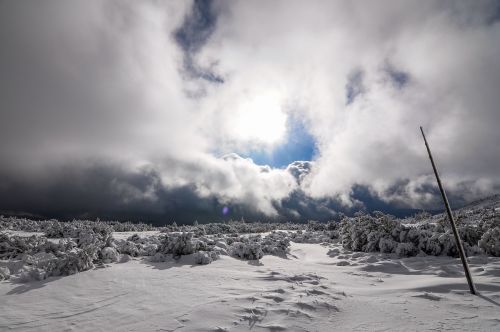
x=261, y=120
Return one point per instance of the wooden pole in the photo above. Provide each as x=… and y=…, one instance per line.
x=460, y=247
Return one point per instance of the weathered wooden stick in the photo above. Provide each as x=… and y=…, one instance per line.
x=452, y=221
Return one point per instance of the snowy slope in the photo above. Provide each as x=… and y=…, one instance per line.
x=317, y=288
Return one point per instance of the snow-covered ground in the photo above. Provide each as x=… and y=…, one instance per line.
x=126, y=235
x=317, y=288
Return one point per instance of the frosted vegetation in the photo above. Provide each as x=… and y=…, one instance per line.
x=55, y=248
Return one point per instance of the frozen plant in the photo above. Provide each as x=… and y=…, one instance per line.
x=406, y=249
x=490, y=242
x=109, y=255
x=205, y=257
x=249, y=250
x=276, y=243
x=4, y=273
x=73, y=262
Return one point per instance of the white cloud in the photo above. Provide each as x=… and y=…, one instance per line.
x=306, y=52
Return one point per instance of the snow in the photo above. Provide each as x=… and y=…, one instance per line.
x=308, y=290
x=367, y=273
x=490, y=242
x=126, y=235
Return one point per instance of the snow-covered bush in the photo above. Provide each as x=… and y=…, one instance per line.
x=379, y=232
x=179, y=244
x=249, y=250
x=109, y=255
x=73, y=229
x=72, y=262
x=364, y=232
x=138, y=246
x=57, y=229
x=4, y=273
x=64, y=245
x=205, y=257
x=490, y=242
x=387, y=245
x=31, y=273
x=406, y=249
x=431, y=245
x=11, y=246
x=127, y=247
x=276, y=243
x=42, y=265
x=204, y=250
x=313, y=236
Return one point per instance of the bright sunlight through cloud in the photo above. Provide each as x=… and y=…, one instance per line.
x=261, y=120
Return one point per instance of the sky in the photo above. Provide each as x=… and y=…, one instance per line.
x=165, y=111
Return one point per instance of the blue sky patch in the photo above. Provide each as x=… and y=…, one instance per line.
x=298, y=144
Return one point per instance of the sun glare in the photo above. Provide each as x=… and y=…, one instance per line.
x=260, y=119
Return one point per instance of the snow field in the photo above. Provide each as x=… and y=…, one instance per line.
x=308, y=291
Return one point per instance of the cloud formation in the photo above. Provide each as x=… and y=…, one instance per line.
x=367, y=75
x=146, y=105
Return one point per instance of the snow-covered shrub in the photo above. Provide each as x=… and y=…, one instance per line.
x=248, y=250
x=472, y=250
x=30, y=273
x=490, y=242
x=134, y=238
x=378, y=232
x=149, y=249
x=312, y=237
x=363, y=232
x=72, y=262
x=41, y=260
x=127, y=247
x=64, y=245
x=129, y=227
x=124, y=258
x=138, y=246
x=447, y=242
x=221, y=244
x=431, y=245
x=42, y=265
x=205, y=257
x=4, y=273
x=406, y=249
x=276, y=243
x=158, y=257
x=54, y=230
x=12, y=246
x=109, y=255
x=89, y=238
x=373, y=240
x=387, y=245
x=203, y=250
x=73, y=229
x=313, y=225
x=178, y=244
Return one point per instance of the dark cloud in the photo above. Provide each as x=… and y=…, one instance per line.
x=197, y=27
x=193, y=34
x=112, y=192
x=109, y=191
